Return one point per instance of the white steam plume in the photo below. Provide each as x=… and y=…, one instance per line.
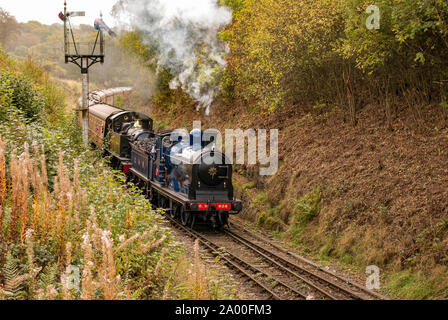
x=185, y=33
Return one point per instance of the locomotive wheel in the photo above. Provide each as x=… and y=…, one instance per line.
x=185, y=217
x=153, y=199
x=127, y=178
x=132, y=178
x=224, y=219
x=176, y=210
x=146, y=190
x=162, y=202
x=193, y=220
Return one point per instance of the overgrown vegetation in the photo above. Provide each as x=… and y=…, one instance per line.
x=317, y=223
x=291, y=216
x=304, y=211
x=286, y=53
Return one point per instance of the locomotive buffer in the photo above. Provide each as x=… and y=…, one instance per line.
x=84, y=55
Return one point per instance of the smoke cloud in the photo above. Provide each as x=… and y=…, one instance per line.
x=185, y=33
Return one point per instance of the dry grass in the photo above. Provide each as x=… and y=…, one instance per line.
x=200, y=290
x=196, y=282
x=61, y=218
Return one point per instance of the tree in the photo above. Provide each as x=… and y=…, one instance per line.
x=282, y=50
x=9, y=28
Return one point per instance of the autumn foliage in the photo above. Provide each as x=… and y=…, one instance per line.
x=61, y=223
x=287, y=53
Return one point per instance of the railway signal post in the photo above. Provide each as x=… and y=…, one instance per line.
x=84, y=55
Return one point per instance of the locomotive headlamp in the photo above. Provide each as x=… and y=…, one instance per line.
x=211, y=206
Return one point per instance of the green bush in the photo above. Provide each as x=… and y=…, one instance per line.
x=19, y=91
x=305, y=210
x=409, y=50
x=286, y=53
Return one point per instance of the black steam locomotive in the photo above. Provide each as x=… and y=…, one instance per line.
x=187, y=177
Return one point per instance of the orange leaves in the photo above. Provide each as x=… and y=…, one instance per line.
x=19, y=195
x=43, y=217
x=32, y=205
x=57, y=220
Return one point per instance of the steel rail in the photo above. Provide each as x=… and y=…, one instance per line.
x=271, y=256
x=314, y=266
x=236, y=263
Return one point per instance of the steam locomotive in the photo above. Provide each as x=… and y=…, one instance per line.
x=185, y=175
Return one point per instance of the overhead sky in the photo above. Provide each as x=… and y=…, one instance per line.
x=46, y=11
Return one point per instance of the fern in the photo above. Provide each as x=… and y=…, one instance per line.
x=10, y=269
x=48, y=276
x=14, y=282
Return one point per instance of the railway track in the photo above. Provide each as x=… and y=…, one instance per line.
x=317, y=277
x=278, y=274
x=272, y=288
